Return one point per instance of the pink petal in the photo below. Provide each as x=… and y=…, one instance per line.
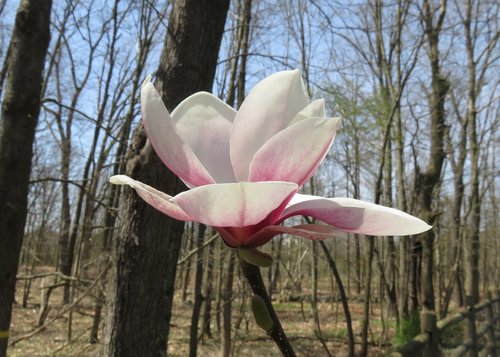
x=228, y=238
x=234, y=204
x=167, y=142
x=356, y=216
x=309, y=231
x=159, y=200
x=294, y=154
x=267, y=109
x=204, y=122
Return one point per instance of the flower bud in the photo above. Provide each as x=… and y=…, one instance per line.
x=261, y=313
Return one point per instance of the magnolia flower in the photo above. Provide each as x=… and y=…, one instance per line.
x=244, y=168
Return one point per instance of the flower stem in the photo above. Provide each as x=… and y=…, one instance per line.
x=254, y=277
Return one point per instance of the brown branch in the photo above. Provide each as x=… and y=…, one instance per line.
x=254, y=278
x=193, y=252
x=343, y=296
x=63, y=310
x=58, y=274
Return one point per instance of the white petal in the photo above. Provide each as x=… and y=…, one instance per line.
x=315, y=109
x=268, y=109
x=159, y=200
x=166, y=141
x=234, y=204
x=356, y=216
x=204, y=122
x=294, y=154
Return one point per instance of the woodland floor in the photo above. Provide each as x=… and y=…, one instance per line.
x=249, y=341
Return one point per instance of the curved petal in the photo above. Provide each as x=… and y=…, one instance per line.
x=315, y=109
x=234, y=204
x=268, y=109
x=309, y=231
x=204, y=122
x=159, y=200
x=227, y=237
x=166, y=141
x=356, y=216
x=294, y=154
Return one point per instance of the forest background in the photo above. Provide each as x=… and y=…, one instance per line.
x=417, y=86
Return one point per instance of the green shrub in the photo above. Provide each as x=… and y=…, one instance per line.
x=408, y=328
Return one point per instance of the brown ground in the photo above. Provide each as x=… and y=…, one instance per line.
x=249, y=341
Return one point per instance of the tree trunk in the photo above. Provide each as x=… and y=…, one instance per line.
x=472, y=271
x=227, y=299
x=207, y=311
x=146, y=250
x=19, y=117
x=343, y=297
x=455, y=285
x=367, y=297
x=427, y=181
x=186, y=278
x=198, y=298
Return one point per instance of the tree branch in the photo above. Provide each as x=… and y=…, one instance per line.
x=254, y=278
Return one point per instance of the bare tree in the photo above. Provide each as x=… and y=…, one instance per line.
x=19, y=117
x=478, y=63
x=427, y=180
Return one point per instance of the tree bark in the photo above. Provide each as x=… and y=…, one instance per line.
x=19, y=118
x=207, y=309
x=428, y=180
x=367, y=297
x=146, y=250
x=198, y=298
x=472, y=271
x=227, y=307
x=343, y=297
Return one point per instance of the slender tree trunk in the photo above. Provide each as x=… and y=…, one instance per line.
x=357, y=240
x=18, y=121
x=428, y=181
x=314, y=297
x=455, y=285
x=146, y=251
x=198, y=298
x=65, y=261
x=207, y=311
x=273, y=284
x=245, y=36
x=404, y=244
x=343, y=296
x=219, y=297
x=186, y=278
x=473, y=248
x=368, y=292
x=227, y=307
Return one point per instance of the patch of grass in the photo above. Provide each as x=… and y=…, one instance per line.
x=286, y=306
x=338, y=333
x=408, y=329
x=388, y=324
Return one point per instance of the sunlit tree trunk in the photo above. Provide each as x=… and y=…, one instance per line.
x=457, y=160
x=147, y=248
x=428, y=179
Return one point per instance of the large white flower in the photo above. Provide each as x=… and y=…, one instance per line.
x=244, y=167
